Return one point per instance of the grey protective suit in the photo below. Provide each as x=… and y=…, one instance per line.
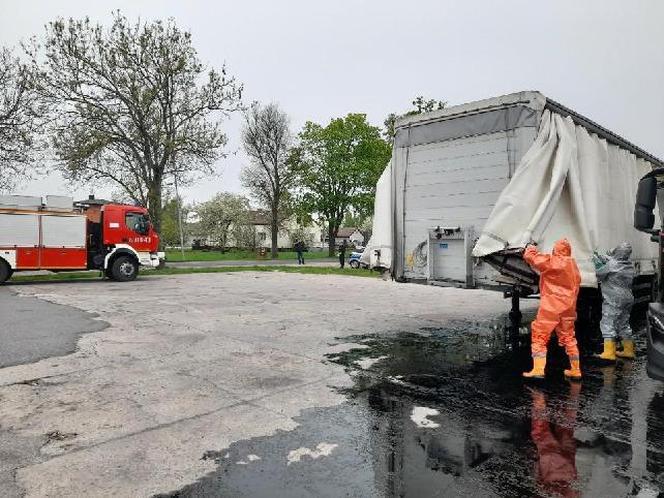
x=615, y=273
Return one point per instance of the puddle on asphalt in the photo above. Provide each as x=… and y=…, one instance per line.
x=444, y=412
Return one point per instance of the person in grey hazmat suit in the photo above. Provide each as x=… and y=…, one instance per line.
x=615, y=273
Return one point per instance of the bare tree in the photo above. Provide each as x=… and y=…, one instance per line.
x=19, y=110
x=135, y=105
x=266, y=138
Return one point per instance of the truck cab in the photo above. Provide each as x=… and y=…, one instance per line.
x=649, y=189
x=123, y=240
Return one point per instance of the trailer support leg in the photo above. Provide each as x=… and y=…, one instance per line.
x=515, y=316
x=515, y=312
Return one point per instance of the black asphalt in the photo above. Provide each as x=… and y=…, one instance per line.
x=33, y=329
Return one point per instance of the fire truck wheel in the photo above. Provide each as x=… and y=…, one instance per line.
x=5, y=272
x=124, y=269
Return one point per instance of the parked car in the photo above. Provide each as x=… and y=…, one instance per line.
x=354, y=260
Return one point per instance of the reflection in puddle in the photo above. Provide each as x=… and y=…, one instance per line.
x=555, y=467
x=420, y=416
x=446, y=413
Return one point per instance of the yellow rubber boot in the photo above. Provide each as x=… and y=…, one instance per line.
x=539, y=363
x=574, y=372
x=609, y=353
x=627, y=351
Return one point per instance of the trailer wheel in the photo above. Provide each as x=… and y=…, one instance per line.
x=5, y=271
x=124, y=269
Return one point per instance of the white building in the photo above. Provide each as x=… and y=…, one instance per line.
x=351, y=235
x=261, y=222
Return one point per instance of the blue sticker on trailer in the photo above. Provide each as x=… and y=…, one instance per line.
x=442, y=246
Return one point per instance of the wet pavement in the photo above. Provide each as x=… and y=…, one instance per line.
x=298, y=385
x=33, y=329
x=444, y=412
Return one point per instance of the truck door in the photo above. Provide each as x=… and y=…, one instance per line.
x=138, y=226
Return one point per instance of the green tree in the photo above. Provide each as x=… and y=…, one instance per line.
x=19, y=121
x=223, y=217
x=362, y=221
x=420, y=106
x=244, y=235
x=134, y=106
x=300, y=233
x=170, y=228
x=337, y=167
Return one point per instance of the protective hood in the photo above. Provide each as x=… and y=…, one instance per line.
x=616, y=275
x=562, y=248
x=623, y=251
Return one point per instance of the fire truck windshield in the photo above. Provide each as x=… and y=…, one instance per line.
x=138, y=222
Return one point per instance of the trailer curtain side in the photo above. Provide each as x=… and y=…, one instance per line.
x=573, y=184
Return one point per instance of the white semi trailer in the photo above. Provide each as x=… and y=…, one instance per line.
x=469, y=185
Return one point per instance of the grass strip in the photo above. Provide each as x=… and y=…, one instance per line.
x=175, y=255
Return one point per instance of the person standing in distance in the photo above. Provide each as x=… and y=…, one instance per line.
x=299, y=249
x=342, y=254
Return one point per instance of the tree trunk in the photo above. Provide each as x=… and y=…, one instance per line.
x=274, y=228
x=331, y=237
x=154, y=207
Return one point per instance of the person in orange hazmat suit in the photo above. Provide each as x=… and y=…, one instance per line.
x=560, y=282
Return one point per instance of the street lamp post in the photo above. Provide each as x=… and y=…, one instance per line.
x=179, y=212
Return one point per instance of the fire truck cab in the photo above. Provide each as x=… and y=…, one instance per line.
x=58, y=236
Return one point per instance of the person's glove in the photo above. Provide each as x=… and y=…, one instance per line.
x=599, y=260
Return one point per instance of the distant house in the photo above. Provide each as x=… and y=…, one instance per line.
x=351, y=235
x=260, y=221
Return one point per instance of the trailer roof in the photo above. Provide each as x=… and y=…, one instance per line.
x=533, y=100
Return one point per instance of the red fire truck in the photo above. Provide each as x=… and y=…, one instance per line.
x=58, y=236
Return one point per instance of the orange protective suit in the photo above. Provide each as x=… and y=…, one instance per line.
x=560, y=281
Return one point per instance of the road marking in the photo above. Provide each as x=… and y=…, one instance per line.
x=323, y=449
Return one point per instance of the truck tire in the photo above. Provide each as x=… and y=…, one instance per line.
x=5, y=271
x=124, y=269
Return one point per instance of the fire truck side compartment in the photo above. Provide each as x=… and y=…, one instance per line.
x=45, y=241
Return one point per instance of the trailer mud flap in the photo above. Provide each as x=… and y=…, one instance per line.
x=510, y=264
x=655, y=335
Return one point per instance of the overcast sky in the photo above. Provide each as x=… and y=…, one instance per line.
x=323, y=59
